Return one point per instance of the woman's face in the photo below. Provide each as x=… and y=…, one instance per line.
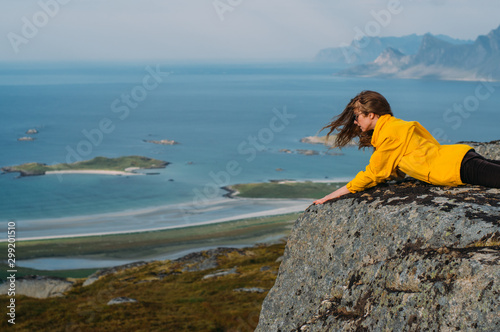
x=364, y=121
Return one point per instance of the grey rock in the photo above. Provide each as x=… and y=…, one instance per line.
x=204, y=260
x=40, y=287
x=121, y=300
x=489, y=150
x=401, y=257
x=104, y=272
x=90, y=280
x=196, y=261
x=220, y=273
x=250, y=290
x=200, y=262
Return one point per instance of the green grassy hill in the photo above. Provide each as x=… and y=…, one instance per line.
x=98, y=163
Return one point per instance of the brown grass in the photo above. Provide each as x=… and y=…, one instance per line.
x=168, y=299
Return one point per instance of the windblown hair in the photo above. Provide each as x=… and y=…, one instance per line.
x=365, y=102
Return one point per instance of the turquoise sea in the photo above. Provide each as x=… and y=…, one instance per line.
x=231, y=121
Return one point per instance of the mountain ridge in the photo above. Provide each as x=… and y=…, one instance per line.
x=438, y=59
x=367, y=49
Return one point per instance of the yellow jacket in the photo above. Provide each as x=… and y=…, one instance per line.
x=408, y=147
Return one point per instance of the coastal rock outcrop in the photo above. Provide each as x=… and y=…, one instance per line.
x=38, y=286
x=33, y=170
x=400, y=256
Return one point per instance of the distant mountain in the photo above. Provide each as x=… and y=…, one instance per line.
x=367, y=49
x=438, y=59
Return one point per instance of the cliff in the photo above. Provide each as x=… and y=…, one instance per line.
x=401, y=256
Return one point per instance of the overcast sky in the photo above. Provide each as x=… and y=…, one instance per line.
x=222, y=29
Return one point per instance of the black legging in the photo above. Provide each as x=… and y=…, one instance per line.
x=476, y=169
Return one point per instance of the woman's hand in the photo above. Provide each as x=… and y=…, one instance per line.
x=336, y=194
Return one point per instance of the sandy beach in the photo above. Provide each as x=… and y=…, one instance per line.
x=112, y=250
x=157, y=218
x=95, y=172
x=162, y=236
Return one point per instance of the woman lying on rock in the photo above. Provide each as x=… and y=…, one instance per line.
x=403, y=147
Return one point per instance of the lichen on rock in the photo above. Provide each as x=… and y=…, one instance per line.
x=400, y=256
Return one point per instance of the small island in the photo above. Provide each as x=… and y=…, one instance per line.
x=26, y=139
x=290, y=189
x=99, y=165
x=162, y=142
x=329, y=141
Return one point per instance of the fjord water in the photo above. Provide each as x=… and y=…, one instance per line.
x=231, y=121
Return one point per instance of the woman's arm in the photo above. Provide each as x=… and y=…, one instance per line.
x=337, y=193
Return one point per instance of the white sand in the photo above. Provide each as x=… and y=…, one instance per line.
x=101, y=172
